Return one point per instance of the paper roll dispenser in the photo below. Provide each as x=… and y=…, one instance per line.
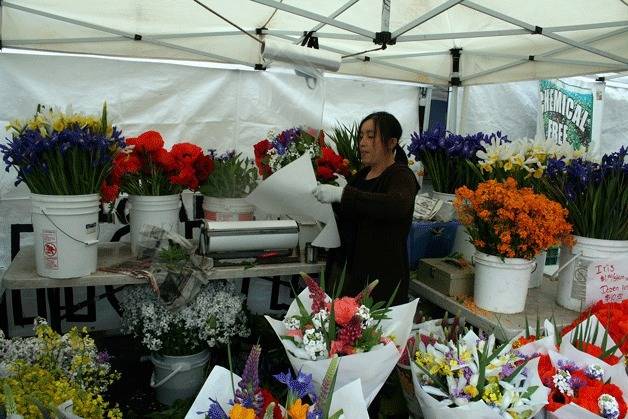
x=252, y=237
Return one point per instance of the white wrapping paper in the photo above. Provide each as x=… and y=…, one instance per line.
x=434, y=409
x=372, y=368
x=218, y=387
x=539, y=346
x=289, y=191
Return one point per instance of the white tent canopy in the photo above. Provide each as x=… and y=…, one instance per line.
x=498, y=41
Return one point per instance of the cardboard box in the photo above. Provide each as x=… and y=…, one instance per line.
x=447, y=276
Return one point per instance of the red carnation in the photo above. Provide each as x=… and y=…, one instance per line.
x=125, y=163
x=186, y=153
x=324, y=173
x=109, y=193
x=164, y=159
x=204, y=166
x=148, y=142
x=614, y=318
x=261, y=148
x=596, y=351
x=186, y=178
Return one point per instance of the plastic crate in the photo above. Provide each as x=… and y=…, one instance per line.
x=430, y=240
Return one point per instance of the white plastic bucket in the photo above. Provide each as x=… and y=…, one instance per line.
x=536, y=279
x=572, y=278
x=501, y=286
x=227, y=209
x=178, y=377
x=462, y=243
x=160, y=211
x=66, y=234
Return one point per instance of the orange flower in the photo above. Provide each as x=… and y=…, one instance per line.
x=344, y=309
x=240, y=412
x=504, y=220
x=298, y=410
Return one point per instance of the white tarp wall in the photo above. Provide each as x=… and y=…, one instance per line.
x=215, y=108
x=512, y=108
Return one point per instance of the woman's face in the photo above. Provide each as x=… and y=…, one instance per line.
x=372, y=148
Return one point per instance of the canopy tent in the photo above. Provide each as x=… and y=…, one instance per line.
x=456, y=42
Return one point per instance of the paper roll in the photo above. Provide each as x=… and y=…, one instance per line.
x=234, y=236
x=298, y=55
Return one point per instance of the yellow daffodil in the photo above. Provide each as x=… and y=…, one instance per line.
x=471, y=390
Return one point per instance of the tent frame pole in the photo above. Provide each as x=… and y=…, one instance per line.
x=315, y=16
x=452, y=102
x=386, y=15
x=334, y=15
x=425, y=17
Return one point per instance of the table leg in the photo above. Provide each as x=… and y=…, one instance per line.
x=54, y=303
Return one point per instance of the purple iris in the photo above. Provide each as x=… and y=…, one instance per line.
x=215, y=411
x=300, y=386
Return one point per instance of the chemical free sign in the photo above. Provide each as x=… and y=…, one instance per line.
x=607, y=280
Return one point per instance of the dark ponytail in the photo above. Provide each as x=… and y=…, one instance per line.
x=388, y=127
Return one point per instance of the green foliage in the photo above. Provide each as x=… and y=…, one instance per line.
x=346, y=140
x=233, y=177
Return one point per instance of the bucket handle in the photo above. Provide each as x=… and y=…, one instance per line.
x=569, y=262
x=180, y=367
x=86, y=243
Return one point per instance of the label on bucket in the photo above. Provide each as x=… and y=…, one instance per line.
x=51, y=252
x=90, y=228
x=579, y=285
x=607, y=280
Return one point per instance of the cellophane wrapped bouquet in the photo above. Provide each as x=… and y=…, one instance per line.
x=368, y=336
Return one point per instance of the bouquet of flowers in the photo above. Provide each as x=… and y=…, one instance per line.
x=595, y=193
x=213, y=317
x=473, y=378
x=523, y=159
x=538, y=340
x=280, y=150
x=510, y=222
x=233, y=176
x=580, y=389
x=146, y=168
x=44, y=371
x=249, y=400
x=62, y=153
x=316, y=328
x=449, y=159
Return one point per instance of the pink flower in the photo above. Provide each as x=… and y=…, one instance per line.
x=344, y=309
x=341, y=347
x=295, y=333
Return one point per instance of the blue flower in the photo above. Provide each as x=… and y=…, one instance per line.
x=300, y=386
x=215, y=411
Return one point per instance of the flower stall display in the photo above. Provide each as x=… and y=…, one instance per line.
x=277, y=151
x=580, y=389
x=525, y=160
x=596, y=195
x=154, y=177
x=180, y=315
x=40, y=373
x=247, y=399
x=232, y=179
x=533, y=341
x=317, y=327
x=471, y=377
x=63, y=158
x=509, y=226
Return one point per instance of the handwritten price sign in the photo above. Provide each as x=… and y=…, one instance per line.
x=607, y=280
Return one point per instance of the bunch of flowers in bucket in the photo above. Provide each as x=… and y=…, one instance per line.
x=317, y=327
x=612, y=316
x=42, y=373
x=523, y=159
x=62, y=153
x=232, y=177
x=448, y=158
x=212, y=318
x=277, y=151
x=510, y=222
x=595, y=193
x=473, y=377
x=146, y=168
x=248, y=400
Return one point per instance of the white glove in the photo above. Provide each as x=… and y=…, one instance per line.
x=328, y=194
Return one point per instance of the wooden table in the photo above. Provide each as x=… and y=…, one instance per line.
x=22, y=274
x=541, y=300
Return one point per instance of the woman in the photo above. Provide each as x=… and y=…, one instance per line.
x=374, y=214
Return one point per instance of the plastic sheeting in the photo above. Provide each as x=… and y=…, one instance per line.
x=512, y=109
x=496, y=37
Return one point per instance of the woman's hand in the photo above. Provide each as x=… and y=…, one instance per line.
x=328, y=194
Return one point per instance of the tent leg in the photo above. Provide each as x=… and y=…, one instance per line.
x=452, y=109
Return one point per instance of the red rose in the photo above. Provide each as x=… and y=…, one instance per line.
x=344, y=310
